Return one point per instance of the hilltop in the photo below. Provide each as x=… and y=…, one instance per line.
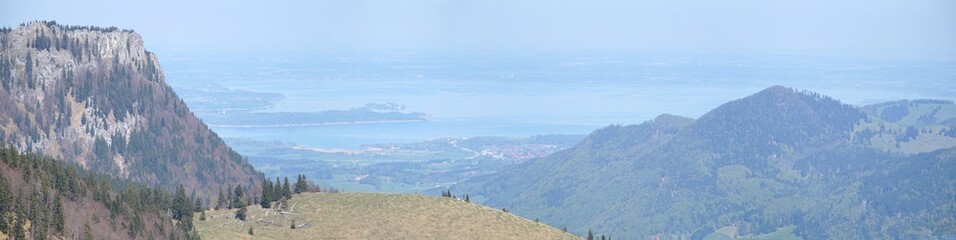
x=96, y=97
x=375, y=216
x=775, y=159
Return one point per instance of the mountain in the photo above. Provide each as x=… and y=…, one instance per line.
x=96, y=97
x=777, y=158
x=376, y=216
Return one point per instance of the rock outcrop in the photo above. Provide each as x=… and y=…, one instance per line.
x=97, y=97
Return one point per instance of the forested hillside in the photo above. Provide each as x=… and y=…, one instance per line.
x=96, y=97
x=774, y=159
x=43, y=198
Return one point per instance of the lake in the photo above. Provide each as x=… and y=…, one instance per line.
x=524, y=94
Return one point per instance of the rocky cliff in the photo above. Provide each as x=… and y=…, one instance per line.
x=96, y=97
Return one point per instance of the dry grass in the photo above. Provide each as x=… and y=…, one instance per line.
x=377, y=216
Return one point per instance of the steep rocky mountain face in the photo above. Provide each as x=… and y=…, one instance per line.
x=97, y=97
x=777, y=158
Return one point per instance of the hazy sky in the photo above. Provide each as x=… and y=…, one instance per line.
x=903, y=28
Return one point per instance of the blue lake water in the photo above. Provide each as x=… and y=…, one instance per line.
x=523, y=94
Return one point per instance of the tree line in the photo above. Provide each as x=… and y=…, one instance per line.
x=278, y=192
x=34, y=189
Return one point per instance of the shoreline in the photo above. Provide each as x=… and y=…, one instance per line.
x=316, y=124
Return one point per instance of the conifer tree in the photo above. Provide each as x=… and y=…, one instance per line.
x=58, y=221
x=286, y=189
x=590, y=235
x=180, y=204
x=301, y=184
x=6, y=202
x=277, y=189
x=18, y=232
x=293, y=224
x=237, y=197
x=220, y=200
x=197, y=207
x=250, y=231
x=266, y=194
x=241, y=213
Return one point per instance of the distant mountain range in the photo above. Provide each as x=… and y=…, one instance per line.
x=96, y=97
x=778, y=158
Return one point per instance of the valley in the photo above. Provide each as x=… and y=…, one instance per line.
x=667, y=175
x=101, y=138
x=400, y=168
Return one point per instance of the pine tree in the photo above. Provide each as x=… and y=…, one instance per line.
x=180, y=204
x=58, y=221
x=301, y=184
x=197, y=207
x=447, y=194
x=202, y=216
x=221, y=201
x=295, y=187
x=286, y=189
x=293, y=224
x=6, y=202
x=38, y=214
x=467, y=200
x=265, y=204
x=277, y=189
x=590, y=235
x=18, y=232
x=267, y=197
x=237, y=198
x=250, y=231
x=241, y=213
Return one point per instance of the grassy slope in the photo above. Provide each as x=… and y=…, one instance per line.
x=924, y=142
x=377, y=216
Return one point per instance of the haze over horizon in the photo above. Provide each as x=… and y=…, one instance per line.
x=883, y=29
x=769, y=121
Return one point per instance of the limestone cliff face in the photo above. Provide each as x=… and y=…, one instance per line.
x=97, y=97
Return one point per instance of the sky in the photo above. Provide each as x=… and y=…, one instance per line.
x=873, y=28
